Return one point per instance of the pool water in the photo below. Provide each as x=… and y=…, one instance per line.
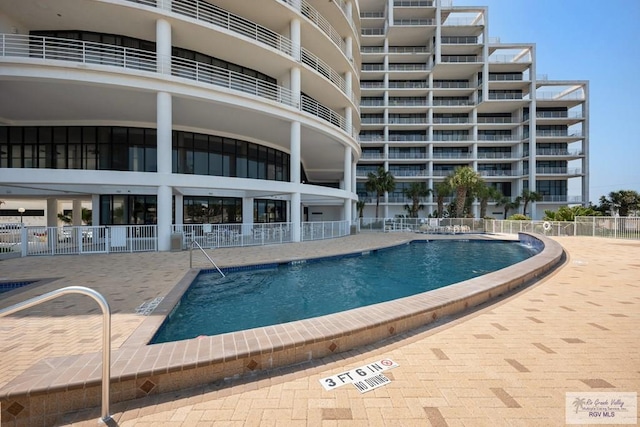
x=254, y=298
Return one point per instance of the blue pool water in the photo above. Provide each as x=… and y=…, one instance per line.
x=248, y=299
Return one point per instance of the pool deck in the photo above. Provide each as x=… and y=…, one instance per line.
x=581, y=326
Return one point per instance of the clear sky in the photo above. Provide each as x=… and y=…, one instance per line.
x=592, y=40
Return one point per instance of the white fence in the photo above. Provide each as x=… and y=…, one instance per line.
x=27, y=241
x=595, y=226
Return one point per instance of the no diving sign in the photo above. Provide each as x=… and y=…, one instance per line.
x=365, y=378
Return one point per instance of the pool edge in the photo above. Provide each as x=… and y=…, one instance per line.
x=139, y=371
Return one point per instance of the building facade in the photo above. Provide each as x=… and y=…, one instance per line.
x=181, y=111
x=438, y=93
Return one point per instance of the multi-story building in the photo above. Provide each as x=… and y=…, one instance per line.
x=437, y=93
x=181, y=111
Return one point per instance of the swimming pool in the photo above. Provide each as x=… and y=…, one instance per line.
x=243, y=300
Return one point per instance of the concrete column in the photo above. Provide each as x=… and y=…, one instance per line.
x=295, y=152
x=295, y=217
x=52, y=212
x=347, y=169
x=164, y=4
x=348, y=44
x=179, y=207
x=294, y=29
x=348, y=121
x=164, y=217
x=95, y=209
x=76, y=216
x=163, y=46
x=164, y=126
x=295, y=178
x=247, y=215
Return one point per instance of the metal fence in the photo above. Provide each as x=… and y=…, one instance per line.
x=595, y=226
x=73, y=240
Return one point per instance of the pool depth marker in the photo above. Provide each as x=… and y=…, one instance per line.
x=365, y=378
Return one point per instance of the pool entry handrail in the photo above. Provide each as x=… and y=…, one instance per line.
x=106, y=332
x=195, y=243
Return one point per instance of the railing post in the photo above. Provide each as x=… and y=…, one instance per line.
x=106, y=332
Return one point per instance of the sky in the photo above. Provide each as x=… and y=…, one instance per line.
x=598, y=41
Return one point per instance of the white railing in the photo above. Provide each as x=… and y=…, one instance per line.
x=320, y=21
x=311, y=106
x=47, y=48
x=324, y=230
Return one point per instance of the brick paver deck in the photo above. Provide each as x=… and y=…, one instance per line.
x=507, y=364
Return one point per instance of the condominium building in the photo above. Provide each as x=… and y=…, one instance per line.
x=438, y=93
x=181, y=111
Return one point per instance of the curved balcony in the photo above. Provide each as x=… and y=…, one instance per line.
x=117, y=58
x=211, y=14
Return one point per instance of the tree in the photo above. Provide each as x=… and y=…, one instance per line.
x=507, y=204
x=360, y=207
x=416, y=191
x=463, y=180
x=442, y=190
x=529, y=196
x=485, y=193
x=566, y=213
x=623, y=202
x=380, y=182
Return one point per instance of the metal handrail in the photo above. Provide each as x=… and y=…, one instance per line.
x=106, y=332
x=194, y=243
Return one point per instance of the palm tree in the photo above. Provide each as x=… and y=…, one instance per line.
x=463, y=180
x=485, y=194
x=442, y=190
x=507, y=204
x=360, y=207
x=529, y=196
x=380, y=182
x=415, y=192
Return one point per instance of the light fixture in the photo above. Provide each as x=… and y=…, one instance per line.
x=21, y=212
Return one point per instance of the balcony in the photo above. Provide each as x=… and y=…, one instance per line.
x=452, y=102
x=557, y=171
x=451, y=120
x=503, y=96
x=498, y=155
x=408, y=156
x=372, y=156
x=494, y=173
x=561, y=198
x=558, y=134
x=451, y=85
x=460, y=58
x=409, y=173
x=413, y=3
x=414, y=22
x=459, y=40
x=495, y=120
x=557, y=152
x=482, y=137
x=452, y=155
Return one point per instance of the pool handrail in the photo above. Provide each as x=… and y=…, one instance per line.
x=106, y=332
x=195, y=243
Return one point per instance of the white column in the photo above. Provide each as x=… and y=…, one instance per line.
x=164, y=217
x=294, y=29
x=164, y=126
x=295, y=217
x=348, y=44
x=247, y=215
x=179, y=207
x=347, y=183
x=95, y=209
x=52, y=212
x=295, y=178
x=163, y=46
x=76, y=216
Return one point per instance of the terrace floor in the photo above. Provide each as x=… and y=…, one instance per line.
x=510, y=363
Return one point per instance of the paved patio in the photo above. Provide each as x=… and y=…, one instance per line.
x=507, y=364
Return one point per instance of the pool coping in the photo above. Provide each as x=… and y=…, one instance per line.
x=139, y=370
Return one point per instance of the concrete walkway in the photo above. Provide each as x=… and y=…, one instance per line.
x=508, y=364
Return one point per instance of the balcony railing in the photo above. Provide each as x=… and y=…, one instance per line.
x=451, y=155
x=413, y=3
x=372, y=31
x=372, y=156
x=408, y=67
x=371, y=85
x=96, y=54
x=407, y=173
x=497, y=137
x=460, y=58
x=558, y=134
x=500, y=120
x=499, y=173
x=504, y=77
x=558, y=115
x=452, y=102
x=407, y=121
x=408, y=156
x=206, y=12
x=557, y=152
x=406, y=85
x=494, y=96
x=370, y=138
x=407, y=138
x=459, y=40
x=437, y=137
x=451, y=85
x=414, y=22
x=450, y=120
x=408, y=49
x=560, y=96
x=320, y=21
x=558, y=171
x=498, y=155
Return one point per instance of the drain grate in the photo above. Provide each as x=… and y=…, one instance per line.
x=147, y=307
